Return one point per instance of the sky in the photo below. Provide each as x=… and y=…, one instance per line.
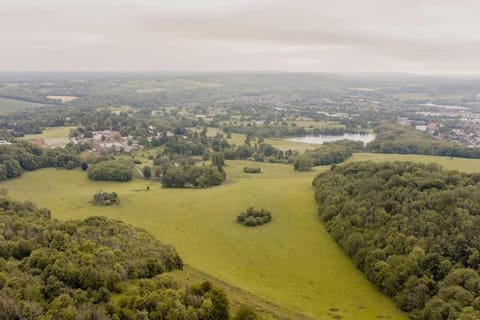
x=414, y=36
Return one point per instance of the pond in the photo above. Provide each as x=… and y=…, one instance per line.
x=320, y=139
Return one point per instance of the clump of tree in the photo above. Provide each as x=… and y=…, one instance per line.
x=253, y=217
x=106, y=199
x=111, y=170
x=192, y=176
x=252, y=170
x=24, y=156
x=413, y=229
x=303, y=163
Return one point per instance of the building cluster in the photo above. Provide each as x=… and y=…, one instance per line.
x=452, y=123
x=107, y=140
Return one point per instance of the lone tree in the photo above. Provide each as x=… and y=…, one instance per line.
x=147, y=172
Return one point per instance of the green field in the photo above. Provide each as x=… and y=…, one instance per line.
x=53, y=136
x=12, y=105
x=459, y=164
x=292, y=261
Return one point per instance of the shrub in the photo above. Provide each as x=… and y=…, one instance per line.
x=245, y=313
x=147, y=172
x=253, y=217
x=252, y=170
x=106, y=199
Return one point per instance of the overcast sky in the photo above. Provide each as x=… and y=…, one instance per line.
x=420, y=36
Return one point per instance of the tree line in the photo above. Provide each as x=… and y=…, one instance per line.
x=24, y=156
x=329, y=153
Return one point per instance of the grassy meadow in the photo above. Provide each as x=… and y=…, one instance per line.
x=53, y=136
x=291, y=261
x=13, y=105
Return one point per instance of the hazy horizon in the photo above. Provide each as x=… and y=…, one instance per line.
x=424, y=37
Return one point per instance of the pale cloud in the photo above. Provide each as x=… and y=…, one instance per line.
x=424, y=36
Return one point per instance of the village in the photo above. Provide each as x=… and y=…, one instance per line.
x=448, y=123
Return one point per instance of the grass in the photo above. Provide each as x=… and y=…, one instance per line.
x=292, y=261
x=53, y=136
x=237, y=296
x=12, y=105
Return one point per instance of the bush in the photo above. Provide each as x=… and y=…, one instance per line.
x=147, y=172
x=245, y=313
x=252, y=170
x=253, y=218
x=106, y=199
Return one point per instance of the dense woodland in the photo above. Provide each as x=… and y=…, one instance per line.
x=413, y=229
x=52, y=270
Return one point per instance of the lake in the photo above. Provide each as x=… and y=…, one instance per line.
x=320, y=139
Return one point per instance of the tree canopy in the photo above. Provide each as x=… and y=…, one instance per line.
x=413, y=229
x=111, y=170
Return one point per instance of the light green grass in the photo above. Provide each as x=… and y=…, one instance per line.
x=53, y=136
x=12, y=105
x=292, y=261
x=237, y=297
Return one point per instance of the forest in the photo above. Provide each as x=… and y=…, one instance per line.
x=413, y=229
x=66, y=270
